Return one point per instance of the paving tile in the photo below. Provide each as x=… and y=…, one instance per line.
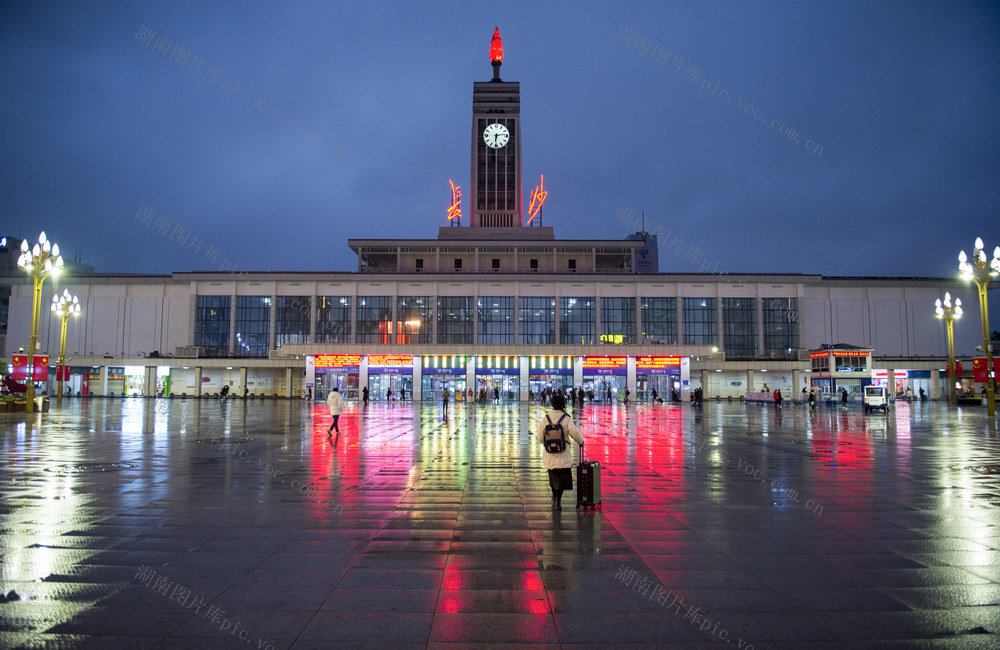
x=445, y=537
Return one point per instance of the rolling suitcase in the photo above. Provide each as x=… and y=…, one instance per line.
x=588, y=483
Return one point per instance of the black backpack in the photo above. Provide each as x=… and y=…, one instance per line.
x=554, y=438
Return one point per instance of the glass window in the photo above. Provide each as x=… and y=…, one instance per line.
x=536, y=321
x=211, y=325
x=414, y=319
x=659, y=320
x=253, y=326
x=618, y=321
x=333, y=319
x=374, y=319
x=292, y=320
x=496, y=320
x=739, y=328
x=454, y=319
x=781, y=328
x=577, y=321
x=700, y=326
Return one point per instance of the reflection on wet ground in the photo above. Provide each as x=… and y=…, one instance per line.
x=137, y=523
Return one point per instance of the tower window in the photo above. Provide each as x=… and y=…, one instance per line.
x=458, y=262
x=533, y=264
x=496, y=263
x=420, y=262
x=572, y=265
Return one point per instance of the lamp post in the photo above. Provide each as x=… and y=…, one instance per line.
x=40, y=261
x=949, y=313
x=63, y=306
x=981, y=271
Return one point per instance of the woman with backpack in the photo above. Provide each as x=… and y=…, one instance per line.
x=554, y=431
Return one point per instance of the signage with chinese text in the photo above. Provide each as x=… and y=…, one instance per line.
x=390, y=364
x=346, y=362
x=657, y=365
x=605, y=365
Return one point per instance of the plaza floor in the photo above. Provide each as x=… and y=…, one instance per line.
x=182, y=524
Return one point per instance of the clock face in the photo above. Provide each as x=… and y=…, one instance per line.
x=496, y=135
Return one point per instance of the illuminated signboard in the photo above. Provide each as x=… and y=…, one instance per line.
x=20, y=370
x=3, y=242
x=538, y=196
x=455, y=209
x=339, y=361
x=605, y=365
x=657, y=365
x=884, y=374
x=390, y=364
x=617, y=339
x=840, y=353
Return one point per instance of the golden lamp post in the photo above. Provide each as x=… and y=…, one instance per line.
x=981, y=271
x=950, y=313
x=63, y=306
x=40, y=261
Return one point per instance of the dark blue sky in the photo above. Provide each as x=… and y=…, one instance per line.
x=901, y=96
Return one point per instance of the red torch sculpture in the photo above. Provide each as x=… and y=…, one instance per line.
x=496, y=53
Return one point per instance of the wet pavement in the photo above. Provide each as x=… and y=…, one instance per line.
x=181, y=524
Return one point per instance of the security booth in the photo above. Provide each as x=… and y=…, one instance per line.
x=840, y=366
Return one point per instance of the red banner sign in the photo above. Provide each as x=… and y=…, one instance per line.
x=20, y=370
x=979, y=373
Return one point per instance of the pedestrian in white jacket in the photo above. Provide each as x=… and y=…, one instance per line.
x=336, y=407
x=559, y=464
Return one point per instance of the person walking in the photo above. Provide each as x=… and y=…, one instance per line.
x=445, y=396
x=364, y=395
x=843, y=397
x=224, y=393
x=402, y=395
x=558, y=464
x=336, y=407
x=626, y=395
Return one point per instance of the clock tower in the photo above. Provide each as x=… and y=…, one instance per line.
x=496, y=149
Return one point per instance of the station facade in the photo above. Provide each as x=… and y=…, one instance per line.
x=498, y=305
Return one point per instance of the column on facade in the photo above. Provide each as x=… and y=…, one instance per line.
x=680, y=319
x=630, y=376
x=719, y=322
x=598, y=330
x=354, y=316
x=760, y=324
x=102, y=383
x=704, y=383
x=232, y=319
x=890, y=384
x=197, y=381
x=935, y=383
x=313, y=311
x=750, y=387
x=288, y=383
x=797, y=383
x=243, y=380
x=149, y=382
x=272, y=335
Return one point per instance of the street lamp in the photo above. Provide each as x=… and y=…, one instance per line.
x=63, y=306
x=40, y=261
x=949, y=314
x=981, y=272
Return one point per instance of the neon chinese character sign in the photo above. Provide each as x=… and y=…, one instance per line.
x=455, y=209
x=538, y=196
